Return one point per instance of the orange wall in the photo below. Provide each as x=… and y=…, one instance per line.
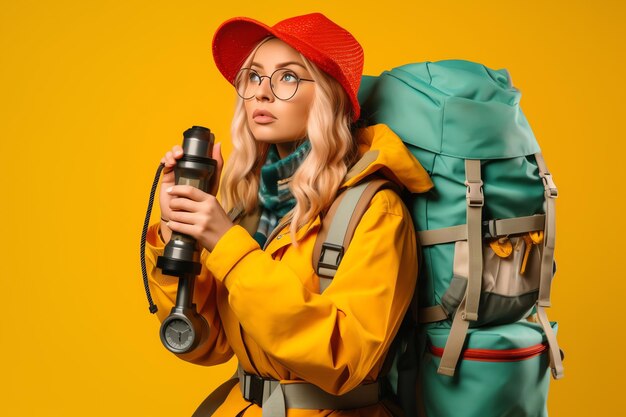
x=93, y=93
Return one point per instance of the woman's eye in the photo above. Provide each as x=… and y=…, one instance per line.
x=289, y=77
x=254, y=77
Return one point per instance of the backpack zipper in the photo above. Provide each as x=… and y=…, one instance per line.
x=493, y=355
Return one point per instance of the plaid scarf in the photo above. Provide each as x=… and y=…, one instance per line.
x=275, y=196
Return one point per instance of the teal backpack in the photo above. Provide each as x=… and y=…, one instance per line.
x=479, y=342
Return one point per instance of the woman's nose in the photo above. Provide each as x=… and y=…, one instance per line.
x=264, y=90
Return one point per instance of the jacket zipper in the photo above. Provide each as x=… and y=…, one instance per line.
x=492, y=355
x=274, y=233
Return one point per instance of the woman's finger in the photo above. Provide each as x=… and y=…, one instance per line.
x=217, y=155
x=185, y=204
x=183, y=228
x=184, y=217
x=171, y=156
x=168, y=161
x=189, y=192
x=177, y=151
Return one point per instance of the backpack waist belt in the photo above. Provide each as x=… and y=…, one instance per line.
x=275, y=397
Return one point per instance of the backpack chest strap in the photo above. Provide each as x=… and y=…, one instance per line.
x=490, y=229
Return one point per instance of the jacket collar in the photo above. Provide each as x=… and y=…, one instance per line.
x=383, y=152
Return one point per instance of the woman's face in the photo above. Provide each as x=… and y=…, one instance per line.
x=272, y=120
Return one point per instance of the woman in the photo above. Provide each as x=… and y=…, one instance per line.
x=295, y=148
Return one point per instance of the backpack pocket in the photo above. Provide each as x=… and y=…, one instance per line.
x=510, y=281
x=502, y=372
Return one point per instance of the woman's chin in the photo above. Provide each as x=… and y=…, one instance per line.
x=267, y=134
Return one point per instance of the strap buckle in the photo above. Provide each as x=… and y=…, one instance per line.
x=549, y=185
x=489, y=229
x=474, y=194
x=335, y=254
x=253, y=388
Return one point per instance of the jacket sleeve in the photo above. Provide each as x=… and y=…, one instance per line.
x=214, y=347
x=333, y=340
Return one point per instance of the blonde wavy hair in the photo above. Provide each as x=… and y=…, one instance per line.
x=315, y=183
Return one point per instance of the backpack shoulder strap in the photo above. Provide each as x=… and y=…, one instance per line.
x=338, y=227
x=468, y=308
x=547, y=265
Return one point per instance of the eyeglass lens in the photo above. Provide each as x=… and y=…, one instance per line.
x=283, y=83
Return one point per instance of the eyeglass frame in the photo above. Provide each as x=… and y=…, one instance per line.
x=269, y=77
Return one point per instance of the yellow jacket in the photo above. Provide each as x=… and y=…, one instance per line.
x=264, y=305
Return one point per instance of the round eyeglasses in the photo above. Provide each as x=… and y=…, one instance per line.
x=283, y=83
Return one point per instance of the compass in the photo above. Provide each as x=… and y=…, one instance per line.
x=177, y=334
x=183, y=330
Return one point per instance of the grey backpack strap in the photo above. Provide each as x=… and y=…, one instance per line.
x=338, y=228
x=216, y=398
x=475, y=202
x=491, y=228
x=547, y=262
x=551, y=194
x=468, y=308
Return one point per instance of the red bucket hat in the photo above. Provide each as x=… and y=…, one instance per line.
x=332, y=48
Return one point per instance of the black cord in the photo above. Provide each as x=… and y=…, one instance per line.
x=153, y=308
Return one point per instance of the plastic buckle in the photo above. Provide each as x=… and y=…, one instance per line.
x=489, y=229
x=549, y=185
x=339, y=255
x=474, y=194
x=255, y=392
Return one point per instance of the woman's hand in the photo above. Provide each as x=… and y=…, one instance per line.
x=197, y=214
x=186, y=209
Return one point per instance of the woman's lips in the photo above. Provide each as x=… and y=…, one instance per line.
x=263, y=117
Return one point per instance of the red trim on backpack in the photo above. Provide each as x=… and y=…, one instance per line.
x=493, y=355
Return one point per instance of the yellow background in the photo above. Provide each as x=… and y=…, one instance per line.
x=94, y=93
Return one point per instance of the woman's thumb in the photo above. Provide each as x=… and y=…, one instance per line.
x=217, y=155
